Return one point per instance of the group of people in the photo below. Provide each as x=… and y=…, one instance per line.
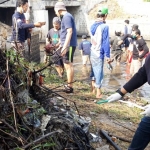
x=64, y=39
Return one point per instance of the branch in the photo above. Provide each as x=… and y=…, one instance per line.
x=41, y=138
x=4, y=1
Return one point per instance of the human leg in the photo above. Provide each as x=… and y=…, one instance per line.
x=97, y=66
x=68, y=64
x=92, y=81
x=142, y=135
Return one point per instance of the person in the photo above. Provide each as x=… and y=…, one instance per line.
x=100, y=48
x=116, y=49
x=127, y=30
x=53, y=37
x=85, y=48
x=20, y=27
x=142, y=135
x=140, y=50
x=68, y=38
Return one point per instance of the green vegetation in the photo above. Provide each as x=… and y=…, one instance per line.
x=146, y=0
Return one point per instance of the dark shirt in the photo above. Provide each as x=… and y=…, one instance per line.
x=140, y=78
x=53, y=36
x=85, y=46
x=68, y=22
x=22, y=27
x=138, y=46
x=114, y=43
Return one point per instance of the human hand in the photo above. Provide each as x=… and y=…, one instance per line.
x=37, y=24
x=114, y=97
x=140, y=59
x=147, y=111
x=120, y=42
x=42, y=23
x=109, y=60
x=64, y=51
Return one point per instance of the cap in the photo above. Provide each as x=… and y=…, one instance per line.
x=60, y=6
x=84, y=36
x=103, y=10
x=135, y=26
x=56, y=20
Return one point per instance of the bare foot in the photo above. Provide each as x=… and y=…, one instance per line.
x=99, y=96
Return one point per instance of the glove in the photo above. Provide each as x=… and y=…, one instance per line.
x=114, y=97
x=147, y=111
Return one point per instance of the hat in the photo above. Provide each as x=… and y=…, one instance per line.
x=56, y=20
x=135, y=26
x=103, y=10
x=60, y=6
x=84, y=36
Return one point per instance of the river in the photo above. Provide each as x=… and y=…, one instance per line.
x=112, y=80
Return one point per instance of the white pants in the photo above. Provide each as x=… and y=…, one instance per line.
x=135, y=66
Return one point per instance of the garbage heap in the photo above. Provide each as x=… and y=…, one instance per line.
x=33, y=116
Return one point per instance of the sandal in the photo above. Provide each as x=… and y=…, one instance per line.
x=68, y=89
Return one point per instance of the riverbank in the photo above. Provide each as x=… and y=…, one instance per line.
x=117, y=118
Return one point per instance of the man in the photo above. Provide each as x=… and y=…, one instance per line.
x=127, y=30
x=140, y=50
x=85, y=48
x=116, y=49
x=20, y=27
x=142, y=134
x=53, y=37
x=100, y=48
x=68, y=38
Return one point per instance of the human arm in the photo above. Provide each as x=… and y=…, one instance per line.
x=144, y=52
x=124, y=37
x=67, y=41
x=131, y=85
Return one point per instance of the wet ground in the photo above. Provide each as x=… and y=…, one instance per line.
x=112, y=79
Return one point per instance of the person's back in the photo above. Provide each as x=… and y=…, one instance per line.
x=67, y=22
x=114, y=43
x=85, y=48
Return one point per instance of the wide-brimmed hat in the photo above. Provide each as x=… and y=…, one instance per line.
x=60, y=6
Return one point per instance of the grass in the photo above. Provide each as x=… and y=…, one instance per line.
x=103, y=116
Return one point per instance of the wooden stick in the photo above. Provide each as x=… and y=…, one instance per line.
x=41, y=138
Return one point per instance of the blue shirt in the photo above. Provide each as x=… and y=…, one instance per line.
x=68, y=22
x=22, y=27
x=85, y=46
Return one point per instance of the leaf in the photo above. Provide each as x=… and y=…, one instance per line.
x=49, y=145
x=39, y=145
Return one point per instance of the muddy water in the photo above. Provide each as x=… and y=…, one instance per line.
x=112, y=80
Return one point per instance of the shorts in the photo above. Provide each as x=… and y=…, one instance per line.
x=85, y=58
x=135, y=66
x=126, y=42
x=117, y=55
x=57, y=59
x=68, y=57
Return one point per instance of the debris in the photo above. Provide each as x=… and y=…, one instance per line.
x=109, y=139
x=130, y=104
x=105, y=147
x=33, y=116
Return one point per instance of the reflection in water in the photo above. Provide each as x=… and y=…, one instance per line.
x=112, y=80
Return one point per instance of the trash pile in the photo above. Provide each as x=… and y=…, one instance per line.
x=33, y=116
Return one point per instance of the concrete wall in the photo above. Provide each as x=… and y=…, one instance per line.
x=80, y=10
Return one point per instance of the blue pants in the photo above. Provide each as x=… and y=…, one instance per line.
x=142, y=135
x=97, y=68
